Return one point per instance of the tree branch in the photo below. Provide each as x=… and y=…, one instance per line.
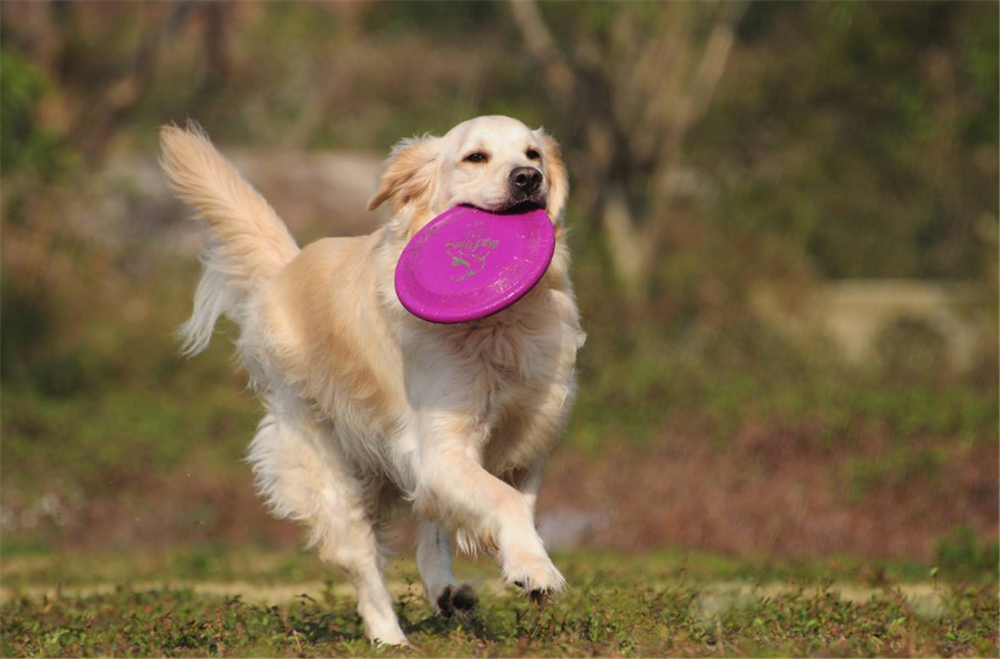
x=558, y=73
x=714, y=57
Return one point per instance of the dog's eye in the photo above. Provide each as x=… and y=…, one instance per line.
x=478, y=156
x=532, y=154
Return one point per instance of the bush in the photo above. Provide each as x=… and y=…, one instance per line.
x=961, y=553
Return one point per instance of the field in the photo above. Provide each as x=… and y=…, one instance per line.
x=664, y=604
x=734, y=479
x=130, y=527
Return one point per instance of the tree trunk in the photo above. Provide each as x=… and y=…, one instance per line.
x=630, y=247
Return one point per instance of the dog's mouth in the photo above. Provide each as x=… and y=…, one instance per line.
x=523, y=206
x=516, y=206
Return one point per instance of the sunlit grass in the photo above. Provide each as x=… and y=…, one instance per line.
x=657, y=605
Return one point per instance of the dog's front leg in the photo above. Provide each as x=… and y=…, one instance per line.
x=454, y=487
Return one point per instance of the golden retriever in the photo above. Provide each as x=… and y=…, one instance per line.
x=370, y=408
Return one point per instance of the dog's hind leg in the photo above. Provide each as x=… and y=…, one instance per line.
x=303, y=477
x=528, y=481
x=434, y=560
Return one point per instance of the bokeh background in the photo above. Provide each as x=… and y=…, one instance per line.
x=784, y=221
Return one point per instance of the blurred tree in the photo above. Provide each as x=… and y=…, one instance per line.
x=634, y=79
x=843, y=140
x=861, y=135
x=26, y=146
x=94, y=89
x=710, y=143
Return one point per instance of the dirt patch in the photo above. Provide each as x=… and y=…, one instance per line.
x=775, y=496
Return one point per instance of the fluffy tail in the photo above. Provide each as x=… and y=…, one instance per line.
x=248, y=241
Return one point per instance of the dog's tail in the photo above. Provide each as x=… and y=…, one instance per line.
x=248, y=242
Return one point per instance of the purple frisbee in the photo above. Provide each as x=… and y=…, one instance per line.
x=469, y=263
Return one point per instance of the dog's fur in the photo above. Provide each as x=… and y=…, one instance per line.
x=369, y=407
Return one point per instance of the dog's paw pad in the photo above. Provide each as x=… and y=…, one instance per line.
x=464, y=599
x=456, y=601
x=444, y=603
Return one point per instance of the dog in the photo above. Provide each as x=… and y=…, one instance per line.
x=370, y=409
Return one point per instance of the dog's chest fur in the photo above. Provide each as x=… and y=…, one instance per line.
x=512, y=365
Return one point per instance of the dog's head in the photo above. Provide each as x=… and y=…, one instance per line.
x=494, y=163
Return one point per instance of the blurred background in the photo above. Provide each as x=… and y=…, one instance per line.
x=784, y=221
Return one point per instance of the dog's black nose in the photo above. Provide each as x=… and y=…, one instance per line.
x=525, y=179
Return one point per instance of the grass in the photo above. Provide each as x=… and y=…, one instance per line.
x=99, y=411
x=255, y=604
x=26, y=567
x=656, y=385
x=99, y=415
x=102, y=420
x=118, y=396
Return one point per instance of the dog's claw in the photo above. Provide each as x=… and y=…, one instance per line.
x=541, y=585
x=538, y=596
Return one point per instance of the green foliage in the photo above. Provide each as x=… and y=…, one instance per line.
x=721, y=378
x=910, y=348
x=314, y=75
x=101, y=405
x=845, y=131
x=26, y=146
x=899, y=468
x=442, y=20
x=961, y=553
x=615, y=608
x=26, y=321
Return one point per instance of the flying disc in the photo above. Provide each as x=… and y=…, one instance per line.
x=468, y=263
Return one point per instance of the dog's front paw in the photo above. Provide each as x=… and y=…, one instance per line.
x=455, y=600
x=388, y=637
x=536, y=576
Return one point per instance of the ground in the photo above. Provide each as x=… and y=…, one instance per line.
x=214, y=603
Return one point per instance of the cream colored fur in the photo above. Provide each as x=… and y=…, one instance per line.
x=371, y=409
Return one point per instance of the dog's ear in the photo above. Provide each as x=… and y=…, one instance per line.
x=410, y=173
x=555, y=172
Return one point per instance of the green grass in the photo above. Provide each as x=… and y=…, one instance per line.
x=26, y=567
x=659, y=605
x=654, y=386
